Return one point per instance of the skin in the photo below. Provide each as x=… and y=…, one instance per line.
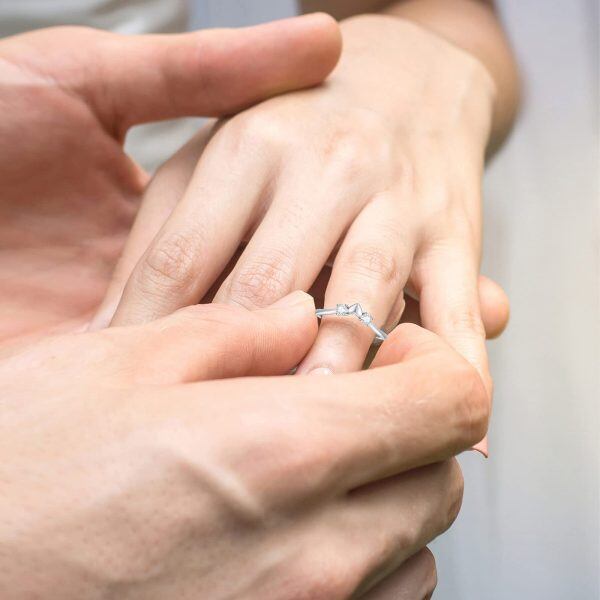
x=53, y=276
x=376, y=173
x=184, y=474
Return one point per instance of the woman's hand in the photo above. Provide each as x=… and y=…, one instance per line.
x=128, y=471
x=380, y=167
x=68, y=95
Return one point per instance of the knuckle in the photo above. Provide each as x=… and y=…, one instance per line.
x=262, y=281
x=258, y=129
x=353, y=150
x=170, y=263
x=348, y=154
x=373, y=262
x=468, y=320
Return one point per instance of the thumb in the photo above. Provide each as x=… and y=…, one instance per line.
x=215, y=341
x=136, y=79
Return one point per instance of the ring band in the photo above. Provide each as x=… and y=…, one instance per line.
x=344, y=310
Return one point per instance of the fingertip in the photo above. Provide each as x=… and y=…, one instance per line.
x=295, y=313
x=313, y=45
x=323, y=22
x=328, y=36
x=495, y=307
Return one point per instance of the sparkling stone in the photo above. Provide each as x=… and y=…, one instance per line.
x=355, y=309
x=341, y=310
x=366, y=318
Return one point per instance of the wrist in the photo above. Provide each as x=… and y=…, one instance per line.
x=475, y=27
x=401, y=67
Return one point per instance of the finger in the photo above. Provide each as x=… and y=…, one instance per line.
x=346, y=430
x=205, y=228
x=371, y=269
x=397, y=518
x=294, y=239
x=212, y=341
x=135, y=79
x=160, y=198
x=356, y=542
x=415, y=579
x=447, y=282
x=495, y=308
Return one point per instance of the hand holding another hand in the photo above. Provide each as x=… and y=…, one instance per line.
x=134, y=460
x=381, y=164
x=378, y=170
x=130, y=469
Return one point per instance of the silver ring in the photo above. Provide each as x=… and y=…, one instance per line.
x=344, y=310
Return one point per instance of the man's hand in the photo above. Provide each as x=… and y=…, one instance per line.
x=68, y=96
x=129, y=471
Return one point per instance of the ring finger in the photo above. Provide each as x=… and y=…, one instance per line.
x=370, y=269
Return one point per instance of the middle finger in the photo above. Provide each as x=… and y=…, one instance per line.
x=199, y=238
x=308, y=216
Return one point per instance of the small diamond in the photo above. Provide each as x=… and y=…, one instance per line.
x=366, y=318
x=354, y=309
x=341, y=310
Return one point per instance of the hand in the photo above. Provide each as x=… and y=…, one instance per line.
x=383, y=164
x=124, y=475
x=69, y=192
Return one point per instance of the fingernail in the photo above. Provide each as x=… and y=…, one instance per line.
x=481, y=447
x=320, y=371
x=297, y=298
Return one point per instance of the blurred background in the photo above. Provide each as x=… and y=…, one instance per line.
x=529, y=527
